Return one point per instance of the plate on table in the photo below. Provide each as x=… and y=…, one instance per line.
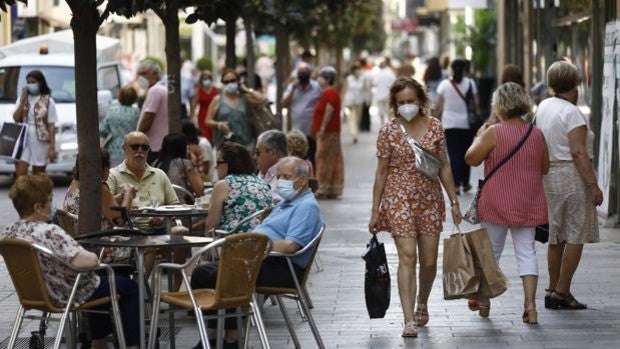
x=174, y=208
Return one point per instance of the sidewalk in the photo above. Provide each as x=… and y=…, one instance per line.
x=338, y=291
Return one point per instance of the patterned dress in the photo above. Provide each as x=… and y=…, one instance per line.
x=118, y=121
x=58, y=278
x=412, y=203
x=247, y=194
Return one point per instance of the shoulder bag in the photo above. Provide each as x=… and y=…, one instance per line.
x=471, y=215
x=259, y=116
x=425, y=162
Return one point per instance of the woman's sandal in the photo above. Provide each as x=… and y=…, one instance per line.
x=484, y=310
x=530, y=316
x=560, y=300
x=410, y=330
x=548, y=292
x=421, y=315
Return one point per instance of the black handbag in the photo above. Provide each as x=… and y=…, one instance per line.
x=377, y=287
x=473, y=119
x=542, y=233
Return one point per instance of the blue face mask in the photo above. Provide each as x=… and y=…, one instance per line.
x=33, y=88
x=285, y=189
x=232, y=87
x=207, y=83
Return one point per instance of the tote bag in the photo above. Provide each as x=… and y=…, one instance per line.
x=12, y=138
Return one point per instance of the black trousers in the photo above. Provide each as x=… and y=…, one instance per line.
x=311, y=150
x=458, y=141
x=273, y=273
x=365, y=119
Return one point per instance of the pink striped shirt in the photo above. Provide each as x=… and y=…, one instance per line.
x=514, y=196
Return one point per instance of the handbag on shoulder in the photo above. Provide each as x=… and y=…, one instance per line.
x=260, y=117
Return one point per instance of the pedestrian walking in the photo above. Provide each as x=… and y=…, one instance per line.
x=37, y=109
x=154, y=114
x=514, y=197
x=432, y=78
x=205, y=93
x=354, y=99
x=571, y=187
x=326, y=129
x=451, y=109
x=382, y=80
x=119, y=121
x=408, y=204
x=511, y=73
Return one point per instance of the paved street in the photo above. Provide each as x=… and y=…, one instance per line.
x=338, y=293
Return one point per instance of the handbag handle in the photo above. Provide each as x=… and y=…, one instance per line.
x=510, y=155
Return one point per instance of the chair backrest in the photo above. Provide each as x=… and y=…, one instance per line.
x=22, y=262
x=241, y=257
x=67, y=221
x=313, y=246
x=261, y=214
x=185, y=196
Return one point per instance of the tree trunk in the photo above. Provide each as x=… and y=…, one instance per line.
x=282, y=52
x=231, y=32
x=249, y=51
x=84, y=24
x=173, y=58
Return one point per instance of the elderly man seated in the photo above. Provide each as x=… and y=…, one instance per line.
x=292, y=224
x=271, y=146
x=151, y=184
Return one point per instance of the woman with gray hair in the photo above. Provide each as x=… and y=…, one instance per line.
x=326, y=129
x=570, y=186
x=513, y=197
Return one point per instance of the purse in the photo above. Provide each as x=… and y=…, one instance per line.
x=12, y=137
x=260, y=117
x=471, y=215
x=542, y=233
x=425, y=162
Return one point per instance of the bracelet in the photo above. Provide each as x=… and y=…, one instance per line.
x=454, y=202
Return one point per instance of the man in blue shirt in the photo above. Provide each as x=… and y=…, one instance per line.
x=292, y=224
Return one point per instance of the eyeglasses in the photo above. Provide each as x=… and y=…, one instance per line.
x=143, y=147
x=229, y=81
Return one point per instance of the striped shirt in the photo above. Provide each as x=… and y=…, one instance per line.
x=514, y=195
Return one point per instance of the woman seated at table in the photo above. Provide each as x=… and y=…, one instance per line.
x=32, y=198
x=240, y=193
x=173, y=160
x=109, y=217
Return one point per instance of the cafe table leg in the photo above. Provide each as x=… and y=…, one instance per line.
x=171, y=310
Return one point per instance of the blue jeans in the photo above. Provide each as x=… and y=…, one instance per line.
x=101, y=324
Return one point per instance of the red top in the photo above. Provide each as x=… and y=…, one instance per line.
x=204, y=99
x=332, y=96
x=514, y=195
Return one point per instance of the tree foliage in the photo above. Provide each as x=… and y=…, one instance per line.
x=481, y=37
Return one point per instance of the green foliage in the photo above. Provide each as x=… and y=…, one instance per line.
x=204, y=63
x=481, y=37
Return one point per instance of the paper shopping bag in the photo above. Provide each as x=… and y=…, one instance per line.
x=493, y=282
x=459, y=273
x=12, y=140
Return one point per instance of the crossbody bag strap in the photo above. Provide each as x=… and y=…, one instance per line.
x=456, y=88
x=512, y=153
x=410, y=139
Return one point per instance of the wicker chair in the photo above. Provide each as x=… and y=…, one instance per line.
x=22, y=261
x=261, y=214
x=67, y=221
x=241, y=257
x=299, y=292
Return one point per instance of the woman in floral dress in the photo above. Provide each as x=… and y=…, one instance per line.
x=406, y=203
x=240, y=192
x=119, y=121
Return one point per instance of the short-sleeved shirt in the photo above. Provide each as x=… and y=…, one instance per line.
x=556, y=118
x=154, y=184
x=412, y=204
x=246, y=195
x=298, y=220
x=454, y=113
x=156, y=102
x=58, y=278
x=330, y=96
x=303, y=101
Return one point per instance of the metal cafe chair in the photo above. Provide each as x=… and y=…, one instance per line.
x=298, y=292
x=23, y=263
x=262, y=214
x=241, y=256
x=67, y=221
x=185, y=196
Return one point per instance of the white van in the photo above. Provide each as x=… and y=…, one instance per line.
x=59, y=72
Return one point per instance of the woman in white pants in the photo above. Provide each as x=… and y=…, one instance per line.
x=513, y=198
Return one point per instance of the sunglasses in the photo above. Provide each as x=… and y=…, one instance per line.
x=229, y=81
x=143, y=147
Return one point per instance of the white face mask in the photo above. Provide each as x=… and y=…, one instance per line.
x=286, y=189
x=143, y=82
x=408, y=111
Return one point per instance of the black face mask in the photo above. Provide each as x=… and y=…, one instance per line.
x=303, y=78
